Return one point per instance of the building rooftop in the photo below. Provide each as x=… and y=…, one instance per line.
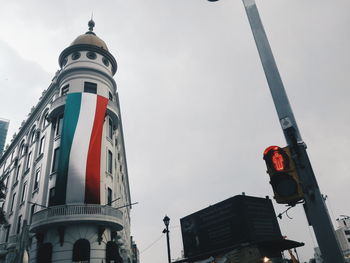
x=90, y=38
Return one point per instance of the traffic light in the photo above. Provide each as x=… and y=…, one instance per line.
x=283, y=175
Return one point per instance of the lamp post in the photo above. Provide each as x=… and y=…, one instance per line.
x=166, y=221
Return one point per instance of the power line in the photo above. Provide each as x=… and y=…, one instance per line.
x=154, y=242
x=159, y=238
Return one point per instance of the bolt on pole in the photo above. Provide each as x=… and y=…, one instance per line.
x=315, y=208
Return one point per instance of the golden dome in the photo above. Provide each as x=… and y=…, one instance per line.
x=90, y=39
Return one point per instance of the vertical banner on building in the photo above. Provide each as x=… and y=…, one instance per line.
x=78, y=174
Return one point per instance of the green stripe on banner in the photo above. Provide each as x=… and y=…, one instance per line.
x=70, y=120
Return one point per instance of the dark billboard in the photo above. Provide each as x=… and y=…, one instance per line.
x=239, y=219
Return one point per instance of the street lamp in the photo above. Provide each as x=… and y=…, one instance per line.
x=166, y=221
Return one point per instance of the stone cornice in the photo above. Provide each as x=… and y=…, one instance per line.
x=65, y=72
x=43, y=101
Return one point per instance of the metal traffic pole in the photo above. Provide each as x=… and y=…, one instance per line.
x=315, y=208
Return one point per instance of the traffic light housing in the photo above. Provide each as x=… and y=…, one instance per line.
x=284, y=178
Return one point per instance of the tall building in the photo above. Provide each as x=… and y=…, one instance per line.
x=68, y=196
x=4, y=125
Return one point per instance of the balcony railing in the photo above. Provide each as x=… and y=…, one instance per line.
x=57, y=107
x=70, y=214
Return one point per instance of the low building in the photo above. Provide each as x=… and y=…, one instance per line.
x=239, y=229
x=343, y=236
x=135, y=252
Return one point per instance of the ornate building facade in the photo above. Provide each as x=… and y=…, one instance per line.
x=4, y=125
x=68, y=196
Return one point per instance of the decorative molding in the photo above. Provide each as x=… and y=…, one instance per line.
x=43, y=102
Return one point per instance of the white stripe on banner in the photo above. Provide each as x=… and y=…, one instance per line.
x=79, y=151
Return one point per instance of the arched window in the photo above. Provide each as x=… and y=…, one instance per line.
x=32, y=135
x=112, y=253
x=44, y=121
x=22, y=149
x=81, y=251
x=44, y=253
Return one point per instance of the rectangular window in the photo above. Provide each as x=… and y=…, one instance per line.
x=110, y=96
x=19, y=224
x=90, y=87
x=109, y=196
x=110, y=162
x=59, y=125
x=110, y=128
x=32, y=211
x=55, y=159
x=65, y=90
x=7, y=233
x=17, y=173
x=29, y=159
x=41, y=145
x=24, y=191
x=13, y=201
x=51, y=196
x=347, y=232
x=37, y=179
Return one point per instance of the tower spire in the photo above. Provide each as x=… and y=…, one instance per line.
x=91, y=24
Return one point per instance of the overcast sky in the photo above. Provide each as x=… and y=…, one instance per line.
x=196, y=108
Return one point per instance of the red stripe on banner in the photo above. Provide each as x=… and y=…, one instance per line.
x=93, y=163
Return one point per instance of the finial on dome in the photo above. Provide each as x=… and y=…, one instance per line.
x=91, y=25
